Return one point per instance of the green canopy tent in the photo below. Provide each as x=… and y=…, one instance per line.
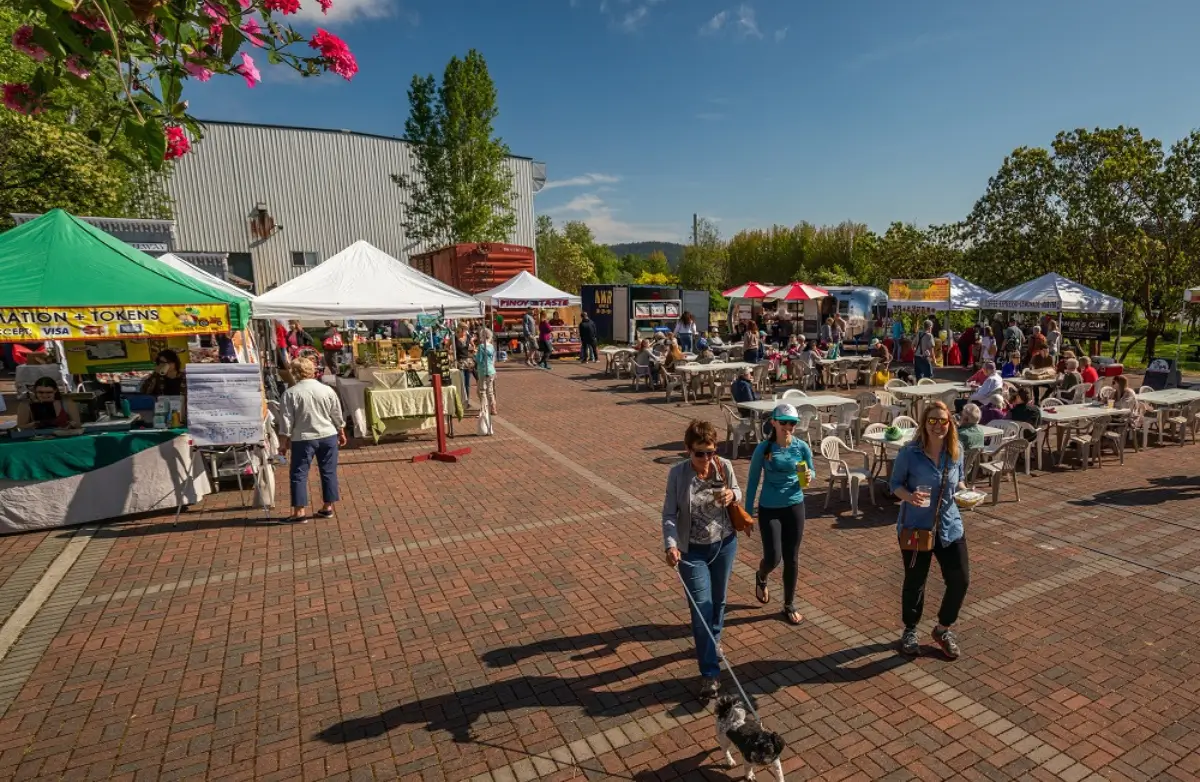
x=60, y=277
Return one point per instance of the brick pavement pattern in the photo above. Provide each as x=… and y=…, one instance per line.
x=510, y=618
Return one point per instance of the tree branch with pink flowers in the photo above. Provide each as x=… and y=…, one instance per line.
x=142, y=53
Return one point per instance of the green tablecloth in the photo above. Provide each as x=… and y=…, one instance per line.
x=62, y=457
x=399, y=409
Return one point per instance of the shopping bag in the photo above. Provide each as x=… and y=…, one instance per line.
x=485, y=422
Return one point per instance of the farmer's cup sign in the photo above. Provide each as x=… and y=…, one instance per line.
x=903, y=291
x=1080, y=325
x=35, y=324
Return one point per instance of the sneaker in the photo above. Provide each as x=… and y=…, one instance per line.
x=908, y=642
x=946, y=639
x=709, y=687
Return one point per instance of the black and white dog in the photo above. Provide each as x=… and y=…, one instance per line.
x=758, y=747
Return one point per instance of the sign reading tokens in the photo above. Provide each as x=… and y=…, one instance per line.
x=439, y=363
x=35, y=324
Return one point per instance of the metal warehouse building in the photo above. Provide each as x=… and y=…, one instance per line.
x=280, y=200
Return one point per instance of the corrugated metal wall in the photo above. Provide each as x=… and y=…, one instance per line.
x=327, y=189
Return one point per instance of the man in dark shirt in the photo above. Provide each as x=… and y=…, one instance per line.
x=743, y=388
x=587, y=339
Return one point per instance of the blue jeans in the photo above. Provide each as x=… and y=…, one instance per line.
x=922, y=367
x=707, y=580
x=466, y=373
x=326, y=451
x=685, y=342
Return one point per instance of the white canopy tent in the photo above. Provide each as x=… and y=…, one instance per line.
x=1053, y=292
x=526, y=290
x=182, y=266
x=363, y=281
x=1190, y=296
x=964, y=295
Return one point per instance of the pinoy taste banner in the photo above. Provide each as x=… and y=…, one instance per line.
x=35, y=324
x=936, y=289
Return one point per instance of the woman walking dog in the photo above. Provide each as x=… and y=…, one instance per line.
x=699, y=538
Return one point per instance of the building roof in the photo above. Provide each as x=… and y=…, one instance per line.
x=111, y=224
x=323, y=130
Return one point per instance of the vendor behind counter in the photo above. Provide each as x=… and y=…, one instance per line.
x=46, y=409
x=168, y=378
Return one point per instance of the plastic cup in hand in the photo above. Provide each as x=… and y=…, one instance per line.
x=927, y=491
x=803, y=475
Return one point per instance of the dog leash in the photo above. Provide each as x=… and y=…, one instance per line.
x=717, y=646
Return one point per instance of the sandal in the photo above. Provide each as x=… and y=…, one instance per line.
x=324, y=514
x=761, y=592
x=793, y=616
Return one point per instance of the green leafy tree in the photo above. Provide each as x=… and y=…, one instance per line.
x=462, y=190
x=633, y=265
x=546, y=243
x=52, y=161
x=705, y=264
x=605, y=265
x=578, y=232
x=656, y=263
x=571, y=267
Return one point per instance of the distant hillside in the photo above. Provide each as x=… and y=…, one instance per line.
x=673, y=251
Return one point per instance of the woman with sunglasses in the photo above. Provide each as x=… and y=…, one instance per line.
x=927, y=473
x=699, y=538
x=778, y=462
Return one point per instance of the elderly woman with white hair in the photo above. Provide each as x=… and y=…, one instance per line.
x=311, y=424
x=970, y=434
x=1070, y=376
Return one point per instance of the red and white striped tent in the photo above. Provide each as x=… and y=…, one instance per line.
x=749, y=290
x=797, y=291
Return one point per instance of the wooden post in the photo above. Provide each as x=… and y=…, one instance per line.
x=441, y=454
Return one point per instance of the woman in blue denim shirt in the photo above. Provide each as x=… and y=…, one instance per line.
x=933, y=459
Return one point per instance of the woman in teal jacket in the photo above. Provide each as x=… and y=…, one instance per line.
x=778, y=463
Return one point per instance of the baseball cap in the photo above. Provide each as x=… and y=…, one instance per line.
x=785, y=412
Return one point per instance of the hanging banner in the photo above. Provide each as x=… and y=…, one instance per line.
x=902, y=291
x=1080, y=325
x=121, y=355
x=512, y=304
x=34, y=324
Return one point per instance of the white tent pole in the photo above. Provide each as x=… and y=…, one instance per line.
x=1179, y=336
x=1120, y=330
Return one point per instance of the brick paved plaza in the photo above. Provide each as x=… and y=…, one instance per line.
x=510, y=618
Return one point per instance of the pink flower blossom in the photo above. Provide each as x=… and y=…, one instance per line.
x=22, y=99
x=248, y=70
x=325, y=5
x=215, y=12
x=245, y=4
x=252, y=30
x=177, y=142
x=197, y=71
x=22, y=41
x=214, y=35
x=336, y=54
x=74, y=66
x=90, y=22
x=283, y=6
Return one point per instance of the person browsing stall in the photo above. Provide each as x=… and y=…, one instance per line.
x=927, y=472
x=699, y=539
x=46, y=409
x=311, y=424
x=783, y=465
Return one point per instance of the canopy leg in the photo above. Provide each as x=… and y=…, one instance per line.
x=1120, y=330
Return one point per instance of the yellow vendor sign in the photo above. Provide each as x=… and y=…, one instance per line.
x=120, y=355
x=28, y=324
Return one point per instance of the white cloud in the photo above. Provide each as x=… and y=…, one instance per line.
x=714, y=25
x=747, y=23
x=608, y=228
x=350, y=10
x=582, y=181
x=633, y=20
x=780, y=34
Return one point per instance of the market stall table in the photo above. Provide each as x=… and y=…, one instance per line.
x=56, y=481
x=1037, y=384
x=394, y=410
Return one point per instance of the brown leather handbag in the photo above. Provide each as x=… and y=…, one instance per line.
x=913, y=539
x=738, y=517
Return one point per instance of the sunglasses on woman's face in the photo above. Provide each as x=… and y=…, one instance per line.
x=787, y=424
x=937, y=422
x=705, y=454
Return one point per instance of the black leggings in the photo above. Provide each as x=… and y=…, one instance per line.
x=952, y=559
x=782, y=530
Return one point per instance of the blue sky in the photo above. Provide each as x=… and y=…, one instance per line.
x=762, y=112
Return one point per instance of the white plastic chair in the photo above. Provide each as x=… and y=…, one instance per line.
x=673, y=382
x=1052, y=401
x=845, y=422
x=1005, y=465
x=882, y=460
x=896, y=383
x=1077, y=394
x=1086, y=440
x=926, y=381
x=1145, y=390
x=904, y=422
x=737, y=429
x=1105, y=393
x=794, y=393
x=643, y=373
x=850, y=479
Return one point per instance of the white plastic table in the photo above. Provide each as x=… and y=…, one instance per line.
x=1169, y=396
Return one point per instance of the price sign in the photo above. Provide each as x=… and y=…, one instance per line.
x=439, y=363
